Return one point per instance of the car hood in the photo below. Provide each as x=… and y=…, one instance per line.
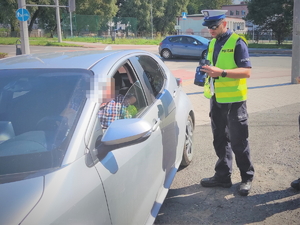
x=18, y=198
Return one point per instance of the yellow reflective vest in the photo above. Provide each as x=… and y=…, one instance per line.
x=226, y=90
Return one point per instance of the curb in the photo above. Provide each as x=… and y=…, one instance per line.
x=270, y=51
x=155, y=47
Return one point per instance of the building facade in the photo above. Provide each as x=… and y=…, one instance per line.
x=239, y=11
x=192, y=24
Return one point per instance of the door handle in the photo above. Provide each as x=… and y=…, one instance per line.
x=174, y=93
x=156, y=125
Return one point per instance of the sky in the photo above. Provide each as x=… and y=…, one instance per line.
x=237, y=1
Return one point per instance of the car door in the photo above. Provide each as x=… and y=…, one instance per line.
x=176, y=45
x=195, y=47
x=191, y=47
x=132, y=174
x=163, y=92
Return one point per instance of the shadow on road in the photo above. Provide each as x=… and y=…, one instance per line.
x=274, y=143
x=228, y=208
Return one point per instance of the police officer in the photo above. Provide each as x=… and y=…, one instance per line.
x=226, y=86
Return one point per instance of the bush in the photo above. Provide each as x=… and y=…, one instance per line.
x=247, y=36
x=3, y=55
x=244, y=38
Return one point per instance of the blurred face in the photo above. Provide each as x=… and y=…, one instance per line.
x=108, y=91
x=217, y=30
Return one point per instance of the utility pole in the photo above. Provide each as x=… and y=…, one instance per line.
x=58, y=21
x=296, y=43
x=24, y=30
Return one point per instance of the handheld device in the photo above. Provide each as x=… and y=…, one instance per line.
x=200, y=75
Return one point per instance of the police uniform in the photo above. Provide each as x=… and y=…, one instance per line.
x=228, y=110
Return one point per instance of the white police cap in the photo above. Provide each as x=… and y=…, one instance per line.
x=213, y=17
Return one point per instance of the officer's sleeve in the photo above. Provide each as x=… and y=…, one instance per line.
x=241, y=54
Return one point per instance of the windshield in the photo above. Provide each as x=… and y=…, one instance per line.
x=39, y=109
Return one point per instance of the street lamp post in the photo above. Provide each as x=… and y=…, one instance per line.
x=58, y=21
x=151, y=21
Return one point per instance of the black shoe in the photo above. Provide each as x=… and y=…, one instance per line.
x=296, y=184
x=245, y=188
x=214, y=182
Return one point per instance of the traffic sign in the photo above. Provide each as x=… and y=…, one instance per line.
x=22, y=14
x=177, y=27
x=184, y=14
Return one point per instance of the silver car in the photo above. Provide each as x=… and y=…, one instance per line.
x=61, y=164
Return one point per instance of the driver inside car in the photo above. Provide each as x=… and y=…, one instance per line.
x=120, y=107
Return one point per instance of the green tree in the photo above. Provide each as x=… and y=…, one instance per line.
x=139, y=9
x=165, y=18
x=217, y=4
x=8, y=15
x=164, y=13
x=91, y=15
x=195, y=6
x=275, y=15
x=47, y=16
x=103, y=8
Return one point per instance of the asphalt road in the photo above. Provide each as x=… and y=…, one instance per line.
x=275, y=153
x=274, y=142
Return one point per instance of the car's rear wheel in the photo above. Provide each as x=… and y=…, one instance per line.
x=166, y=54
x=188, y=143
x=203, y=55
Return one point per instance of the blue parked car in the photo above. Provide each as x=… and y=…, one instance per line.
x=183, y=46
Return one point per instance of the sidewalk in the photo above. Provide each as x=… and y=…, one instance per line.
x=263, y=94
x=100, y=46
x=152, y=48
x=270, y=51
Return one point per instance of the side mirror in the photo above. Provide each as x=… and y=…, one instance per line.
x=126, y=132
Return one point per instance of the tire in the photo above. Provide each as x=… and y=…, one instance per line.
x=166, y=54
x=187, y=155
x=203, y=55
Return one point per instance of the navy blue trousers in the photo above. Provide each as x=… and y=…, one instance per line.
x=229, y=124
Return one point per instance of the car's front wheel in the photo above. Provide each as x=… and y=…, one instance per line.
x=166, y=54
x=188, y=143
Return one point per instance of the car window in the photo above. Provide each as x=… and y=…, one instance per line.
x=154, y=74
x=175, y=39
x=185, y=40
x=202, y=40
x=191, y=40
x=39, y=110
x=129, y=99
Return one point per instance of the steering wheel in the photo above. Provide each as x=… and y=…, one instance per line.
x=51, y=123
